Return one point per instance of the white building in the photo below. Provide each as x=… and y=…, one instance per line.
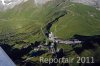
x=51, y=37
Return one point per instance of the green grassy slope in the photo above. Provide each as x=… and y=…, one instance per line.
x=24, y=21
x=80, y=19
x=22, y=26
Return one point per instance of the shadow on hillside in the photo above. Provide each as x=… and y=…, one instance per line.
x=38, y=53
x=88, y=42
x=15, y=53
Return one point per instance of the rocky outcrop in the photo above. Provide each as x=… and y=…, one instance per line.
x=40, y=2
x=8, y=4
x=95, y=3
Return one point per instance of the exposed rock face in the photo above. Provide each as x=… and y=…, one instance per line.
x=40, y=2
x=87, y=2
x=8, y=4
x=95, y=3
x=98, y=3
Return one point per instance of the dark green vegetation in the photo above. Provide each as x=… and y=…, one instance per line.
x=23, y=27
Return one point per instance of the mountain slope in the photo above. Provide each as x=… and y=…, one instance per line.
x=23, y=29
x=9, y=4
x=81, y=20
x=95, y=3
x=26, y=20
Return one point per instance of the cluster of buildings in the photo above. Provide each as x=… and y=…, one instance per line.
x=54, y=41
x=52, y=48
x=61, y=41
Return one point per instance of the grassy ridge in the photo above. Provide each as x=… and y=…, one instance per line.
x=81, y=20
